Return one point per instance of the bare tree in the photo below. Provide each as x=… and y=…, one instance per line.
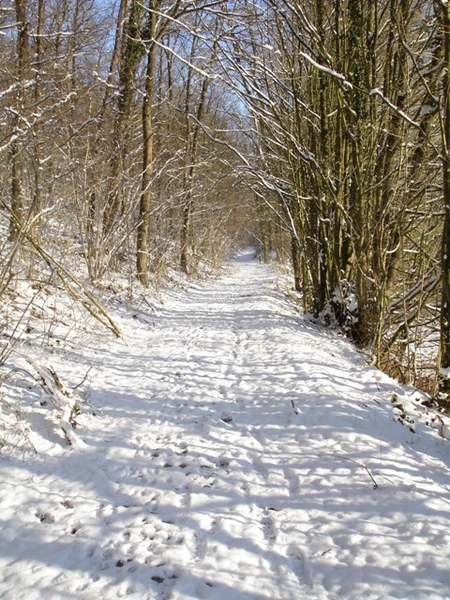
x=342, y=110
x=16, y=146
x=443, y=15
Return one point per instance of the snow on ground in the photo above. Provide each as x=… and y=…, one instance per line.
x=232, y=450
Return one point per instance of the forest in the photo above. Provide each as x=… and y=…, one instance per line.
x=140, y=136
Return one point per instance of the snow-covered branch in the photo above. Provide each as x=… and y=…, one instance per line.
x=335, y=74
x=398, y=111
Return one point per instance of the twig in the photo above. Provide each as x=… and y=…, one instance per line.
x=83, y=380
x=441, y=427
x=152, y=308
x=363, y=466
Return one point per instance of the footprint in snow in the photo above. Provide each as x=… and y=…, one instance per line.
x=300, y=565
x=226, y=418
x=269, y=528
x=44, y=517
x=293, y=482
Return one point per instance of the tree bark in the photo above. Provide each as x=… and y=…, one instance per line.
x=444, y=12
x=16, y=149
x=155, y=28
x=147, y=156
x=191, y=157
x=132, y=52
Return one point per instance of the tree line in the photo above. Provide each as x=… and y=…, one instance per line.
x=156, y=133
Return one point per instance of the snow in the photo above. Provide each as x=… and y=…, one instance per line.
x=229, y=449
x=339, y=76
x=379, y=93
x=445, y=372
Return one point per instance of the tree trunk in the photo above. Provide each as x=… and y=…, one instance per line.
x=155, y=28
x=296, y=264
x=445, y=248
x=132, y=52
x=17, y=194
x=147, y=164
x=191, y=157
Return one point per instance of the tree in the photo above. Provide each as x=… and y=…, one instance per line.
x=156, y=25
x=131, y=53
x=136, y=130
x=342, y=103
x=443, y=15
x=194, y=111
x=16, y=146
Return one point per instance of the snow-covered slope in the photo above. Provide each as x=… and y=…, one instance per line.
x=233, y=451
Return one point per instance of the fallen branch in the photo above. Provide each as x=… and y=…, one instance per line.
x=74, y=287
x=60, y=398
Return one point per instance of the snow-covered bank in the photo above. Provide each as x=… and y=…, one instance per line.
x=235, y=452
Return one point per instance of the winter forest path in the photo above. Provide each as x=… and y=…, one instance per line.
x=237, y=452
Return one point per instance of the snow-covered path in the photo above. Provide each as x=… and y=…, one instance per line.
x=236, y=452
